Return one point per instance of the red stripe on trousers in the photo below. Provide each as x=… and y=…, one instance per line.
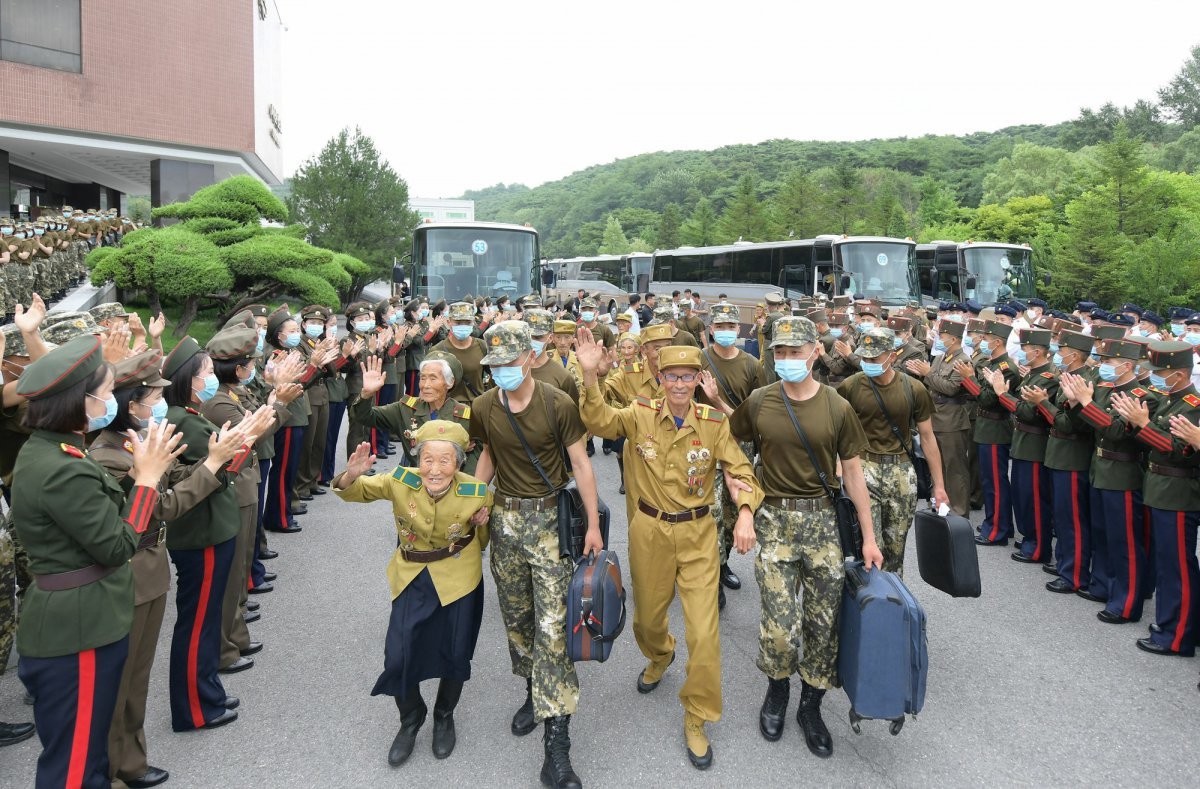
x=1037, y=510
x=1185, y=586
x=1130, y=537
x=1077, y=526
x=374, y=439
x=194, y=643
x=83, y=719
x=996, y=488
x=283, y=504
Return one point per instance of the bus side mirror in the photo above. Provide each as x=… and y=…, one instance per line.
x=970, y=283
x=845, y=282
x=548, y=278
x=398, y=273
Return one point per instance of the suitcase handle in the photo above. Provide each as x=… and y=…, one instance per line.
x=585, y=615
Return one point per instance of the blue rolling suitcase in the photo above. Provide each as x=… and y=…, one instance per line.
x=882, y=656
x=595, y=607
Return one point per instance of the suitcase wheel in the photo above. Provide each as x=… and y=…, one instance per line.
x=896, y=726
x=854, y=722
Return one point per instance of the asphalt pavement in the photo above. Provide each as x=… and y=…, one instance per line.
x=1026, y=688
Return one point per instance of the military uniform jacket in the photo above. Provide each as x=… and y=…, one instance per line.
x=1030, y=431
x=180, y=489
x=316, y=389
x=215, y=519
x=1165, y=487
x=425, y=524
x=951, y=402
x=552, y=372
x=226, y=406
x=475, y=377
x=993, y=425
x=1111, y=435
x=1070, y=447
x=629, y=382
x=572, y=366
x=671, y=469
x=910, y=351
x=739, y=376
x=404, y=416
x=693, y=326
x=70, y=514
x=260, y=390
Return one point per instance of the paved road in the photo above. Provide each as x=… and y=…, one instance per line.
x=1025, y=688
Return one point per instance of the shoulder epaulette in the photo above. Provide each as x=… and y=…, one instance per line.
x=476, y=489
x=1003, y=365
x=1105, y=384
x=631, y=367
x=411, y=402
x=1137, y=391
x=72, y=450
x=462, y=411
x=407, y=477
x=1047, y=375
x=128, y=446
x=1192, y=400
x=1156, y=391
x=191, y=410
x=646, y=402
x=709, y=413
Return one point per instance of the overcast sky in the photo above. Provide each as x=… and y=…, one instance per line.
x=462, y=95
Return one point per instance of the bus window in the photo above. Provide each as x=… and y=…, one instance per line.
x=752, y=266
x=639, y=273
x=793, y=280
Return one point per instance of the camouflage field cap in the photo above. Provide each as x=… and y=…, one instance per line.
x=530, y=300
x=876, y=342
x=724, y=312
x=233, y=342
x=793, y=332
x=952, y=328
x=663, y=313
x=111, y=309
x=679, y=356
x=657, y=331
x=14, y=343
x=462, y=311
x=69, y=326
x=1039, y=337
x=456, y=368
x=565, y=327
x=1108, y=332
x=143, y=369
x=541, y=322
x=442, y=430
x=506, y=341
x=588, y=304
x=1165, y=355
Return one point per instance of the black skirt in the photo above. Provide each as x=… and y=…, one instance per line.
x=427, y=640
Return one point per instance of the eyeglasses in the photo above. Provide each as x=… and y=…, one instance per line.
x=671, y=378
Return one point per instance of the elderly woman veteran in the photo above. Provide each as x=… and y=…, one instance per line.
x=436, y=576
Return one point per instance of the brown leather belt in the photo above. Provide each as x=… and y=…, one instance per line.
x=152, y=539
x=673, y=517
x=1124, y=457
x=73, y=579
x=1068, y=436
x=886, y=459
x=438, y=553
x=799, y=505
x=999, y=416
x=1025, y=427
x=1174, y=471
x=528, y=505
x=951, y=400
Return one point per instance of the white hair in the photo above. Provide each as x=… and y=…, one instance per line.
x=444, y=366
x=459, y=452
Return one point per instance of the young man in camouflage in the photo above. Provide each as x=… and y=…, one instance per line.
x=890, y=476
x=532, y=573
x=797, y=529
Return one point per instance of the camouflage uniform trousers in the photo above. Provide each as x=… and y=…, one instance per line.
x=531, y=583
x=799, y=551
x=724, y=512
x=20, y=281
x=8, y=590
x=893, y=489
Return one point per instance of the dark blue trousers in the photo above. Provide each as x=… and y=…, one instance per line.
x=337, y=412
x=1072, y=526
x=997, y=505
x=197, y=695
x=289, y=441
x=1032, y=494
x=257, y=569
x=1121, y=515
x=1177, y=591
x=75, y=696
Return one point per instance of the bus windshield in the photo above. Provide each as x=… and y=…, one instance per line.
x=1000, y=273
x=879, y=269
x=452, y=263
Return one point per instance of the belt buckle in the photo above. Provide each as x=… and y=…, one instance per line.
x=162, y=534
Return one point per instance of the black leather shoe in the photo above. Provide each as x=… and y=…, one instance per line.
x=1017, y=556
x=607, y=451
x=523, y=721
x=1109, y=618
x=261, y=589
x=228, y=716
x=269, y=576
x=729, y=578
x=1060, y=586
x=1154, y=648
x=267, y=555
x=306, y=497
x=152, y=777
x=774, y=708
x=289, y=529
x=984, y=541
x=298, y=509
x=720, y=597
x=646, y=687
x=13, y=733
x=323, y=483
x=251, y=617
x=1049, y=569
x=318, y=492
x=591, y=450
x=254, y=648
x=253, y=605
x=1086, y=595
x=241, y=664
x=232, y=702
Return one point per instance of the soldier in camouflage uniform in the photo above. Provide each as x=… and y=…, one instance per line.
x=531, y=571
x=797, y=527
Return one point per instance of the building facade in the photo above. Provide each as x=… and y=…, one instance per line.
x=443, y=210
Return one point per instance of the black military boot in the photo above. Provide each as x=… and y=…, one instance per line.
x=444, y=738
x=12, y=733
x=556, y=769
x=774, y=708
x=412, y=716
x=621, y=465
x=808, y=715
x=523, y=722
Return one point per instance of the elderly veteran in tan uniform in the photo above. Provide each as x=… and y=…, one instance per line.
x=672, y=537
x=564, y=340
x=435, y=574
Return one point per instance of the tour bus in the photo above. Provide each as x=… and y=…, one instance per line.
x=610, y=278
x=457, y=260
x=871, y=266
x=989, y=272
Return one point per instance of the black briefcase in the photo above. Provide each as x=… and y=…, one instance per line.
x=946, y=553
x=572, y=521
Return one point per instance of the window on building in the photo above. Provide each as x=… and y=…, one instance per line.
x=456, y=215
x=43, y=33
x=425, y=214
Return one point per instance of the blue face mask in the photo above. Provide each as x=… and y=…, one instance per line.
x=508, y=378
x=249, y=377
x=872, y=369
x=1178, y=329
x=587, y=316
x=291, y=340
x=424, y=313
x=110, y=413
x=1058, y=361
x=985, y=347
x=396, y=317
x=362, y=327
x=1053, y=347
x=897, y=342
x=866, y=325
x=1108, y=372
x=1142, y=332
x=939, y=346
x=1020, y=357
x=836, y=331
x=538, y=346
x=968, y=344
x=1094, y=355
x=314, y=331
x=792, y=371
x=262, y=336
x=1158, y=382
x=1193, y=339
x=158, y=411
x=725, y=337
x=460, y=332
x=210, y=388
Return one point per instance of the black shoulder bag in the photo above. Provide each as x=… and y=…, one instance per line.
x=919, y=463
x=849, y=532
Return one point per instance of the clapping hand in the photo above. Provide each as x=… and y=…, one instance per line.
x=997, y=381
x=1078, y=389
x=157, y=325
x=964, y=369
x=116, y=343
x=1183, y=429
x=1034, y=394
x=154, y=455
x=918, y=367
x=1132, y=410
x=28, y=320
x=842, y=348
x=223, y=445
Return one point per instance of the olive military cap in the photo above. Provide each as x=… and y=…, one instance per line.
x=315, y=312
x=541, y=322
x=442, y=430
x=111, y=309
x=679, y=356
x=657, y=331
x=14, y=343
x=997, y=329
x=358, y=309
x=505, y=341
x=1108, y=332
x=793, y=332
x=953, y=328
x=1164, y=355
x=186, y=349
x=143, y=369
x=462, y=311
x=1119, y=349
x=276, y=320
x=63, y=367
x=1039, y=337
x=724, y=312
x=233, y=342
x=876, y=342
x=456, y=368
x=839, y=319
x=899, y=323
x=565, y=327
x=625, y=316
x=774, y=299
x=629, y=336
x=1077, y=340
x=76, y=324
x=243, y=318
x=818, y=316
x=259, y=310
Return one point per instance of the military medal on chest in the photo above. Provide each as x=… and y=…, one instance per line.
x=646, y=448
